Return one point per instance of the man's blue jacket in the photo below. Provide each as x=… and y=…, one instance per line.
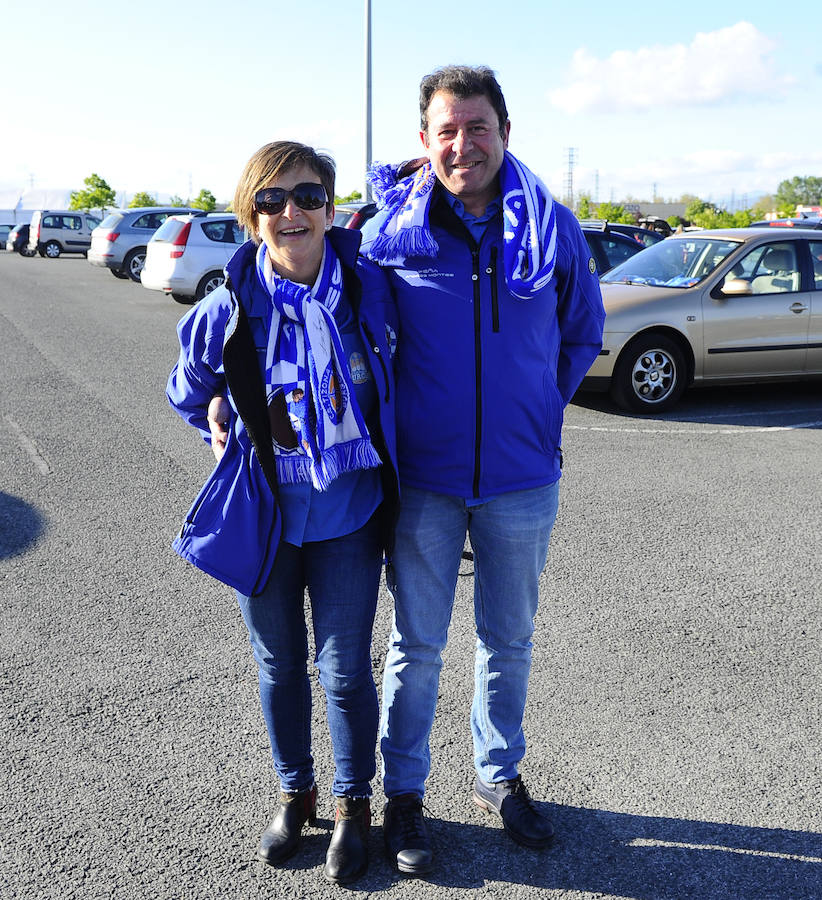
x=483, y=377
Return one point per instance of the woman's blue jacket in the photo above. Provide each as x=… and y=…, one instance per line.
x=233, y=528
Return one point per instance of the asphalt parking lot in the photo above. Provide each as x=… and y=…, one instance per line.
x=674, y=714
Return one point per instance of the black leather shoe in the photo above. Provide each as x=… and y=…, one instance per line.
x=520, y=818
x=407, y=844
x=282, y=837
x=347, y=857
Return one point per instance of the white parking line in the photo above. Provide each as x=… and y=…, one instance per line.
x=766, y=412
x=740, y=429
x=648, y=842
x=40, y=462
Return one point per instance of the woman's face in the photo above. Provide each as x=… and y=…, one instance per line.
x=294, y=237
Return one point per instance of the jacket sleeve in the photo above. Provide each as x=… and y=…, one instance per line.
x=198, y=374
x=580, y=312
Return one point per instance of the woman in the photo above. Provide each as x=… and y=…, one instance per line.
x=298, y=343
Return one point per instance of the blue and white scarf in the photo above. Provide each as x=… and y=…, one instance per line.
x=305, y=360
x=529, y=222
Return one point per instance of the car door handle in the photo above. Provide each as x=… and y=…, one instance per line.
x=798, y=307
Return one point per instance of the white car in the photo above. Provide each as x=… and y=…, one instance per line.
x=187, y=254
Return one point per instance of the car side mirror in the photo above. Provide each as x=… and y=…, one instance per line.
x=735, y=287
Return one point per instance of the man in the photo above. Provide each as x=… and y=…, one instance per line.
x=500, y=317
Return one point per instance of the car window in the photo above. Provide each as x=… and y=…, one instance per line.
x=73, y=223
x=617, y=251
x=150, y=220
x=238, y=232
x=51, y=222
x=92, y=221
x=770, y=268
x=222, y=232
x=816, y=257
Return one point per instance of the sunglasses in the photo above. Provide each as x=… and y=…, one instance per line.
x=306, y=195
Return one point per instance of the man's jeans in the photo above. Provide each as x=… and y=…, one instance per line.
x=509, y=536
x=342, y=576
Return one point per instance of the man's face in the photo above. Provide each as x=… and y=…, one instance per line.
x=465, y=147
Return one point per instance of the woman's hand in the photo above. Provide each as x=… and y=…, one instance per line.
x=219, y=416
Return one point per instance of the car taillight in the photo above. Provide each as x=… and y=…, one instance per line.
x=37, y=232
x=112, y=236
x=179, y=243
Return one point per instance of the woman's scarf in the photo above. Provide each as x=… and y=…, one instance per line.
x=529, y=221
x=305, y=361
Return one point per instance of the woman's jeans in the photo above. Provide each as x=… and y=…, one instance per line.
x=342, y=576
x=509, y=536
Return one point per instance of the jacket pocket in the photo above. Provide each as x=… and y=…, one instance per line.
x=553, y=414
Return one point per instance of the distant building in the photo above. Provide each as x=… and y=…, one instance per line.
x=661, y=210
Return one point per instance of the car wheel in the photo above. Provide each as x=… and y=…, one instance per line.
x=118, y=273
x=24, y=251
x=209, y=283
x=134, y=262
x=650, y=374
x=52, y=250
x=182, y=298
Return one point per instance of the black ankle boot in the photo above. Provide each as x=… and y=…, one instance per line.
x=347, y=857
x=282, y=837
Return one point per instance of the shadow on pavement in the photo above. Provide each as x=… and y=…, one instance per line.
x=21, y=525
x=603, y=853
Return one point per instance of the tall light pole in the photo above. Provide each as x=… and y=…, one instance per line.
x=367, y=190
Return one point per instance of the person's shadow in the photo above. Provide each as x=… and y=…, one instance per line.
x=21, y=525
x=613, y=854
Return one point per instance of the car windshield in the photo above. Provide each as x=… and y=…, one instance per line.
x=676, y=263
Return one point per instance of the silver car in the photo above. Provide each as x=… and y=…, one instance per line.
x=187, y=254
x=119, y=242
x=725, y=306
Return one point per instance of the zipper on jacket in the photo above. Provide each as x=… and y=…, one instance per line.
x=491, y=271
x=475, y=277
x=376, y=349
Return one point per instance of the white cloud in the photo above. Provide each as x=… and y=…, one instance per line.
x=715, y=66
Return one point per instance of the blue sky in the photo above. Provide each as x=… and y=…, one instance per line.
x=172, y=96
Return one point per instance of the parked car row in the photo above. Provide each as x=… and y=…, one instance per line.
x=185, y=249
x=715, y=306
x=17, y=240
x=119, y=242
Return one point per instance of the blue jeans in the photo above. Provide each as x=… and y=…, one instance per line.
x=509, y=536
x=342, y=576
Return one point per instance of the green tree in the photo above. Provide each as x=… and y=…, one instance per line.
x=798, y=191
x=585, y=208
x=353, y=197
x=763, y=207
x=176, y=201
x=695, y=210
x=613, y=212
x=97, y=195
x=141, y=198
x=205, y=200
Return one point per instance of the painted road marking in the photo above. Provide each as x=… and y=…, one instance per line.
x=40, y=462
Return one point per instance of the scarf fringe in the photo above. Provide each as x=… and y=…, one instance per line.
x=413, y=241
x=336, y=461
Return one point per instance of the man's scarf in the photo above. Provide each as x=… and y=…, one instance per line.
x=529, y=221
x=305, y=361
